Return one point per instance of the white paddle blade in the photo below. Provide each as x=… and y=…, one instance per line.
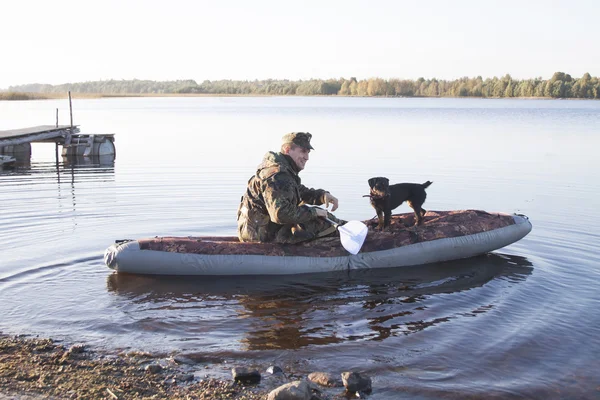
x=353, y=235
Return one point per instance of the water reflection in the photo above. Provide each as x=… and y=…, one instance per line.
x=49, y=197
x=319, y=309
x=98, y=164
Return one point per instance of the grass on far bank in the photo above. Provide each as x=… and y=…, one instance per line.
x=48, y=96
x=22, y=96
x=7, y=96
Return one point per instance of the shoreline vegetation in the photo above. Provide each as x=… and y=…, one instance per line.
x=560, y=86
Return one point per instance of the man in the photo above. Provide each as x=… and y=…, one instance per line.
x=274, y=209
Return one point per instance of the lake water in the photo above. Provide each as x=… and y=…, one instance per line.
x=522, y=322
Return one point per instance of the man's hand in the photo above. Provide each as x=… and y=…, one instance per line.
x=329, y=198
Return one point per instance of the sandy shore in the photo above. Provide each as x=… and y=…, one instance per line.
x=33, y=368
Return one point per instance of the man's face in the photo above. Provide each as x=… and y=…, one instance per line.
x=299, y=155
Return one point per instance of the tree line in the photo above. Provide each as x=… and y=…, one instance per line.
x=561, y=85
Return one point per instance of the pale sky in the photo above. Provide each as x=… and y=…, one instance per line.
x=61, y=41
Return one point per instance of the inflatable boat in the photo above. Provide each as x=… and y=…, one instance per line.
x=443, y=236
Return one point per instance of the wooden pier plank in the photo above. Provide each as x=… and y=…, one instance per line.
x=34, y=130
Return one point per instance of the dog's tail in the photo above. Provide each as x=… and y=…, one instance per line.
x=426, y=184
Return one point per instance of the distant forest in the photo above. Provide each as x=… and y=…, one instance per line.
x=561, y=85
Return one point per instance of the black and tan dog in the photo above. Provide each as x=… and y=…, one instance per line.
x=385, y=197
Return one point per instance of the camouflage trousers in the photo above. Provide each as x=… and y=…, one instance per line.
x=255, y=226
x=313, y=229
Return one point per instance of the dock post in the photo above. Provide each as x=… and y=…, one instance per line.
x=67, y=139
x=56, y=142
x=71, y=111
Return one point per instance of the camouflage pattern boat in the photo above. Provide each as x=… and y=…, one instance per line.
x=443, y=236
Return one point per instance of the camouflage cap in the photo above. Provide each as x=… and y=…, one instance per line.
x=301, y=139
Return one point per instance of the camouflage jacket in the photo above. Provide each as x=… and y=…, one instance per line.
x=274, y=199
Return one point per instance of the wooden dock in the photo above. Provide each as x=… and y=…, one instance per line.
x=18, y=141
x=43, y=133
x=73, y=144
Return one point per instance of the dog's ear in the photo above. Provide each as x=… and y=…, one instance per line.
x=386, y=180
x=372, y=182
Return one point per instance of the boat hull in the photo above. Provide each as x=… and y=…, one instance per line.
x=173, y=258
